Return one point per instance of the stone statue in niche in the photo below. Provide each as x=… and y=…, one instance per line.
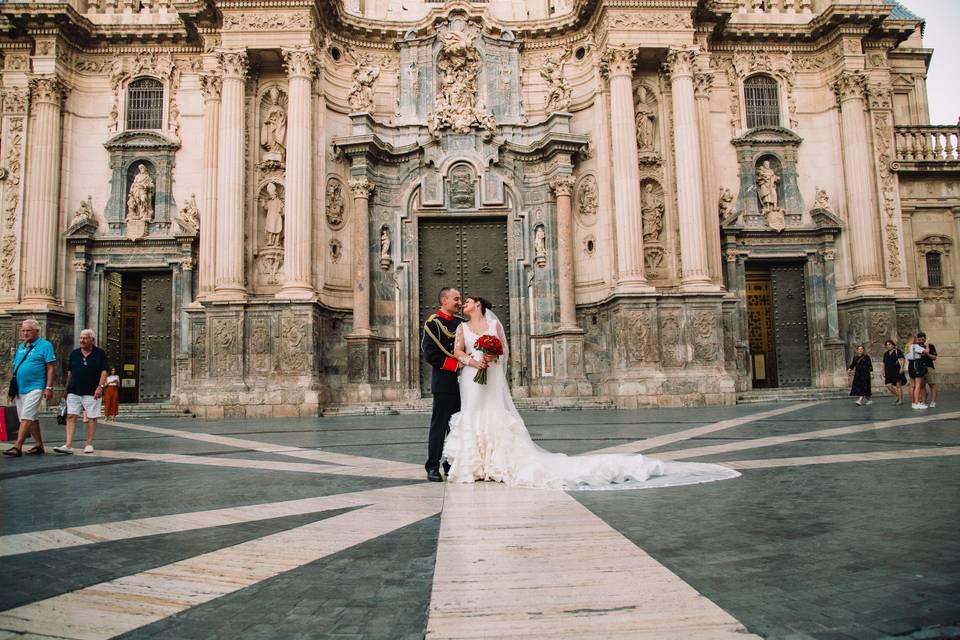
x=385, y=260
x=188, y=220
x=725, y=203
x=462, y=188
x=140, y=203
x=558, y=91
x=457, y=104
x=822, y=201
x=334, y=204
x=361, y=92
x=645, y=126
x=767, y=180
x=589, y=201
x=84, y=213
x=273, y=224
x=273, y=131
x=651, y=211
x=645, y=117
x=540, y=246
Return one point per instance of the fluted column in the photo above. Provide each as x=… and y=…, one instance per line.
x=562, y=186
x=80, y=303
x=618, y=64
x=686, y=135
x=850, y=89
x=298, y=235
x=187, y=265
x=41, y=228
x=702, y=84
x=212, y=86
x=229, y=250
x=361, y=188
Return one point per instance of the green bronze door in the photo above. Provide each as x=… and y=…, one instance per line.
x=470, y=255
x=156, y=337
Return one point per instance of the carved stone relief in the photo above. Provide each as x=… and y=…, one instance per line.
x=705, y=344
x=744, y=64
x=226, y=346
x=670, y=339
x=462, y=186
x=293, y=344
x=273, y=125
x=558, y=90
x=260, y=345
x=637, y=334
x=651, y=210
x=458, y=104
x=588, y=200
x=270, y=253
x=188, y=220
x=336, y=250
x=335, y=206
x=364, y=74
x=11, y=201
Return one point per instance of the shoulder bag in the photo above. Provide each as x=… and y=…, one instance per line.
x=14, y=390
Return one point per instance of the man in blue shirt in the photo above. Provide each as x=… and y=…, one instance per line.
x=33, y=363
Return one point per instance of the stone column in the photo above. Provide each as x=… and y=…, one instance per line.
x=80, y=304
x=361, y=188
x=187, y=265
x=618, y=64
x=686, y=133
x=298, y=232
x=862, y=214
x=42, y=223
x=230, y=246
x=702, y=84
x=212, y=86
x=562, y=186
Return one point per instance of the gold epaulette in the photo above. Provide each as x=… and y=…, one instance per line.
x=427, y=332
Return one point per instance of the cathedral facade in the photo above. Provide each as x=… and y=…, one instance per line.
x=254, y=204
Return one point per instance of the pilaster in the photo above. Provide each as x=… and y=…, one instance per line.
x=212, y=85
x=361, y=188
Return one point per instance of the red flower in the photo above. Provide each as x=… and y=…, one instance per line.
x=490, y=345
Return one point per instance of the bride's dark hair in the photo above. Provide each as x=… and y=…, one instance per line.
x=484, y=303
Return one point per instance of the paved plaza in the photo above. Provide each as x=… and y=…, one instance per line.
x=843, y=524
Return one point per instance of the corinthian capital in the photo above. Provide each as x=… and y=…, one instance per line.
x=300, y=62
x=851, y=85
x=361, y=187
x=702, y=84
x=47, y=89
x=212, y=85
x=618, y=60
x=679, y=62
x=562, y=185
x=233, y=62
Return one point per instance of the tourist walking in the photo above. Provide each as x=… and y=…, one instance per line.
x=111, y=395
x=916, y=371
x=86, y=379
x=32, y=381
x=861, y=367
x=893, y=366
x=927, y=356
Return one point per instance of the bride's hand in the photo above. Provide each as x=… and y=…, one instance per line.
x=478, y=364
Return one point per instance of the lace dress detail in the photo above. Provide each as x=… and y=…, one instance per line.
x=488, y=440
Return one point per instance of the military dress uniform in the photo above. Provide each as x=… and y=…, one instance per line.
x=439, y=334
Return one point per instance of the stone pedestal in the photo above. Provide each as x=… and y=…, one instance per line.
x=557, y=369
x=372, y=370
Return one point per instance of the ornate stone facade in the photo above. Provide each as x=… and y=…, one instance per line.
x=660, y=223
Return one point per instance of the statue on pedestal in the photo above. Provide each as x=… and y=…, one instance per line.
x=273, y=226
x=767, y=180
x=188, y=220
x=140, y=204
x=651, y=212
x=273, y=131
x=361, y=92
x=558, y=95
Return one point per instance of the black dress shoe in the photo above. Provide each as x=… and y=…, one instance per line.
x=446, y=469
x=434, y=476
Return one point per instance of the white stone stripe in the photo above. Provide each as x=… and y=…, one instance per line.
x=384, y=470
x=795, y=437
x=686, y=434
x=284, y=450
x=119, y=606
x=869, y=456
x=125, y=529
x=524, y=563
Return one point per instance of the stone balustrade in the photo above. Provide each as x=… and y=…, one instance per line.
x=925, y=143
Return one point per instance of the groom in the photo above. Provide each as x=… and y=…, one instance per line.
x=439, y=332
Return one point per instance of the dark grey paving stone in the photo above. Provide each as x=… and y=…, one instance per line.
x=46, y=574
x=376, y=590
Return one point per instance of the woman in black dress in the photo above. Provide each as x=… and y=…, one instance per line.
x=861, y=367
x=893, y=366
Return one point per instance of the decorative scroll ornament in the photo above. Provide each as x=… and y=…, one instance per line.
x=14, y=164
x=266, y=21
x=14, y=101
x=212, y=85
x=361, y=92
x=650, y=21
x=8, y=256
x=558, y=96
x=458, y=105
x=702, y=84
x=780, y=65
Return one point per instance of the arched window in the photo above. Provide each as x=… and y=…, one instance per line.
x=762, y=99
x=145, y=104
x=934, y=270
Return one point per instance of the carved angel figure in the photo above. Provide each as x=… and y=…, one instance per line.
x=726, y=203
x=140, y=198
x=189, y=217
x=364, y=75
x=84, y=212
x=822, y=200
x=767, y=180
x=558, y=96
x=273, y=131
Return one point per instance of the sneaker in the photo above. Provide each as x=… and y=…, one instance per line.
x=868, y=402
x=88, y=448
x=921, y=405
x=898, y=403
x=933, y=405
x=859, y=404
x=64, y=450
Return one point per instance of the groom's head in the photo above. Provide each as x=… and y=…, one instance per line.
x=450, y=300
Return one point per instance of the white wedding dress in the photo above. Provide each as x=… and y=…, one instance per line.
x=488, y=440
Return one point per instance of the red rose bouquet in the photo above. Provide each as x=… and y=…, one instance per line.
x=491, y=346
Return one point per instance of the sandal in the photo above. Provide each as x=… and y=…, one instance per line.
x=38, y=450
x=13, y=451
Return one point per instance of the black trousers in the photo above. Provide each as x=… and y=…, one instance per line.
x=444, y=406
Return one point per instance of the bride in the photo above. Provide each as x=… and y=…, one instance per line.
x=488, y=439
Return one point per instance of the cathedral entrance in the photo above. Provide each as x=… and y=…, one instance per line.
x=777, y=325
x=469, y=254
x=137, y=333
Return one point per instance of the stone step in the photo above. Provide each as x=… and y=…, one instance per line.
x=141, y=410
x=789, y=394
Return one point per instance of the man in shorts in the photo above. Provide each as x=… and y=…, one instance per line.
x=33, y=362
x=86, y=379
x=930, y=377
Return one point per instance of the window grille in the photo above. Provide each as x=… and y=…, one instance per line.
x=934, y=270
x=145, y=104
x=762, y=100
